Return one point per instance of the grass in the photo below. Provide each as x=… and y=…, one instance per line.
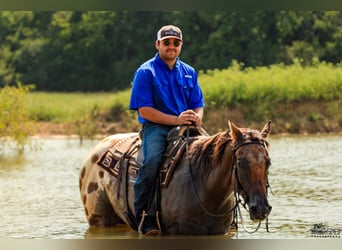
x=66, y=107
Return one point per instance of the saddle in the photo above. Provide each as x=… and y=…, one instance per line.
x=129, y=149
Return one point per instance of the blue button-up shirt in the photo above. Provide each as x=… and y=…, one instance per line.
x=169, y=91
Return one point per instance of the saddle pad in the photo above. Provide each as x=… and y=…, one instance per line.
x=109, y=162
x=110, y=159
x=130, y=148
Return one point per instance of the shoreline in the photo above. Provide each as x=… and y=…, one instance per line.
x=62, y=131
x=306, y=118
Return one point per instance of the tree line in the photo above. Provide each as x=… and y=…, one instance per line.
x=99, y=50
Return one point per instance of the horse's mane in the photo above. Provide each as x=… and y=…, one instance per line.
x=209, y=150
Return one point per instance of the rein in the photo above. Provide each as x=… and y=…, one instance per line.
x=236, y=207
x=195, y=189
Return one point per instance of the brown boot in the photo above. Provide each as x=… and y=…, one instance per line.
x=148, y=225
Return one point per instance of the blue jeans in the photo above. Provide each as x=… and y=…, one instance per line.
x=154, y=144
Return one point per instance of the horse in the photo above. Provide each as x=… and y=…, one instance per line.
x=208, y=181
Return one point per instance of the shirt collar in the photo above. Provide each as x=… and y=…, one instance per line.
x=162, y=63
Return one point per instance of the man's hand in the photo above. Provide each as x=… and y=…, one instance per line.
x=189, y=117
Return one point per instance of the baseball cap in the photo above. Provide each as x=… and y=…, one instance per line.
x=169, y=31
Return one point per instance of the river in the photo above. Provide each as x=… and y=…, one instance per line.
x=40, y=195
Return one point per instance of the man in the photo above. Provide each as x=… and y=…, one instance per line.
x=165, y=93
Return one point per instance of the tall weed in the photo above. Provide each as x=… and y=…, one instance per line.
x=15, y=121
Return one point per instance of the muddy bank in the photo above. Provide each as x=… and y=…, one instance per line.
x=293, y=118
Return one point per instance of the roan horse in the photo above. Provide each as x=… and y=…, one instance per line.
x=202, y=195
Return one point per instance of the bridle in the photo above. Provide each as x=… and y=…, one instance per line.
x=236, y=193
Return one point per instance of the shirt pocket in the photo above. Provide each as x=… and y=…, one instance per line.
x=160, y=88
x=185, y=83
x=185, y=87
x=157, y=82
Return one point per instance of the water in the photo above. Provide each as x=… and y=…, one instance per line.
x=40, y=196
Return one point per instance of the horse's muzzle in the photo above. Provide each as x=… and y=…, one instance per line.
x=259, y=211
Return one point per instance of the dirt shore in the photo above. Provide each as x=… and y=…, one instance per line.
x=304, y=118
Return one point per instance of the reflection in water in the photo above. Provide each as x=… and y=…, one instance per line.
x=121, y=231
x=40, y=196
x=125, y=232
x=10, y=163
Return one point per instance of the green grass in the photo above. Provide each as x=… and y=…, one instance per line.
x=66, y=107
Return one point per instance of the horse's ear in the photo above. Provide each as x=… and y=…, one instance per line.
x=235, y=131
x=266, y=130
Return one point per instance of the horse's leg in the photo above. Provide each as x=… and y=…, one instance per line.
x=98, y=209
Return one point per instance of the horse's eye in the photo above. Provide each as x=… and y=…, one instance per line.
x=241, y=162
x=238, y=163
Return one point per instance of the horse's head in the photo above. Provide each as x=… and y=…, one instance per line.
x=252, y=163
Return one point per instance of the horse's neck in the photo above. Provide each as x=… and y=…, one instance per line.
x=220, y=179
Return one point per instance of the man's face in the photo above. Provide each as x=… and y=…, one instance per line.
x=169, y=49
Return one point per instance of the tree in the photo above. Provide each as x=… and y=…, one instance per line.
x=310, y=34
x=100, y=50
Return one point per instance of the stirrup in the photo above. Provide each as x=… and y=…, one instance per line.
x=152, y=231
x=141, y=222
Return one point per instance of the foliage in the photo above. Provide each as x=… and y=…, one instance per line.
x=15, y=123
x=93, y=51
x=86, y=124
x=272, y=84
